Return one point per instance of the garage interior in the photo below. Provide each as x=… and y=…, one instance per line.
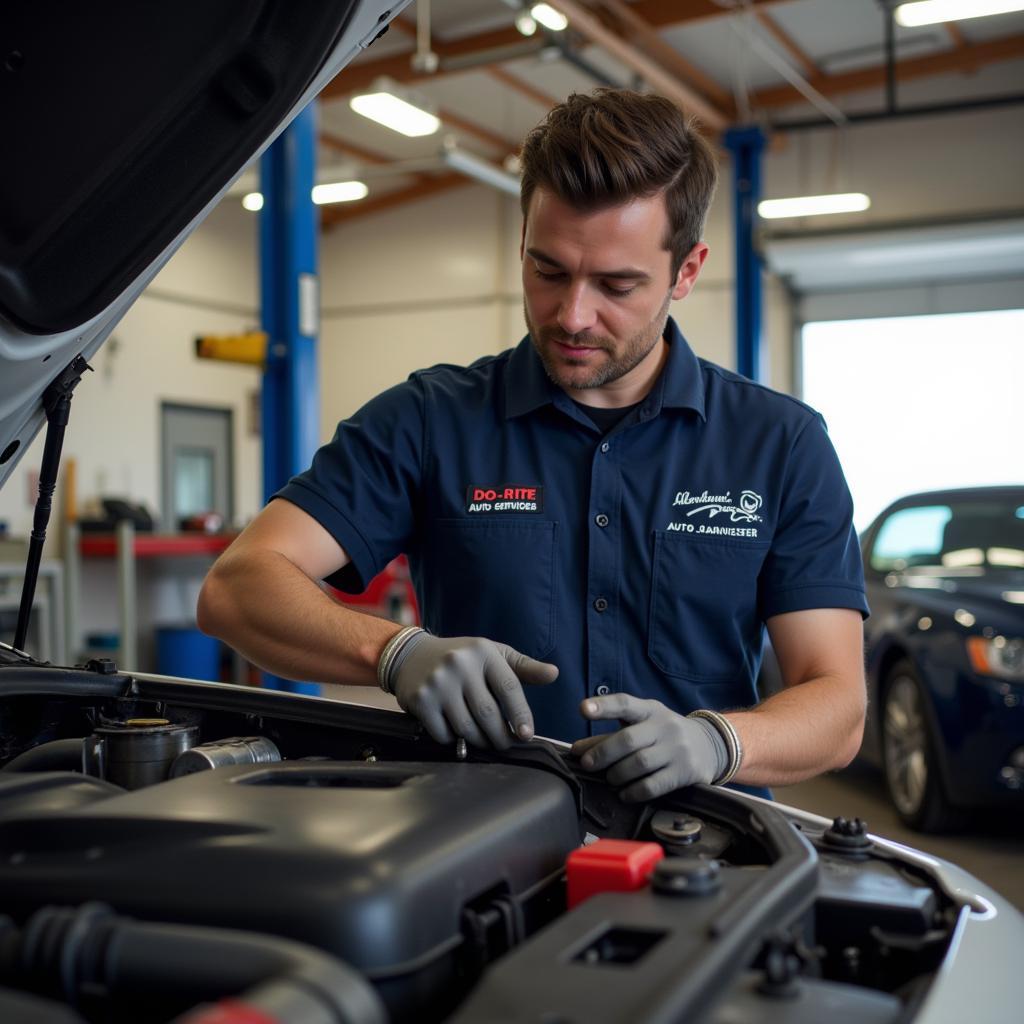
x=901, y=320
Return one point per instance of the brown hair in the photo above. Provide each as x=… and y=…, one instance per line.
x=616, y=145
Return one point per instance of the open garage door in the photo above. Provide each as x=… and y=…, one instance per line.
x=911, y=344
x=916, y=403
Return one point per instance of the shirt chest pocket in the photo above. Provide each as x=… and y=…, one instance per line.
x=704, y=624
x=494, y=579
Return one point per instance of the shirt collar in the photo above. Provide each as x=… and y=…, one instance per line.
x=680, y=385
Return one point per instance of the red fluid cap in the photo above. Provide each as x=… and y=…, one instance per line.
x=228, y=1011
x=610, y=865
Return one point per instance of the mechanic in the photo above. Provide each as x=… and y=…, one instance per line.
x=675, y=509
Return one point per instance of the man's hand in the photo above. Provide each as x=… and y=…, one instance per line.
x=657, y=751
x=469, y=687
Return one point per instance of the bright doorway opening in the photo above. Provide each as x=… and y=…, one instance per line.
x=915, y=403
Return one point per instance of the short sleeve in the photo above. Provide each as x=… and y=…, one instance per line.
x=364, y=484
x=815, y=559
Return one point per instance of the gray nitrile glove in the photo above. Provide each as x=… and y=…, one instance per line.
x=657, y=750
x=467, y=686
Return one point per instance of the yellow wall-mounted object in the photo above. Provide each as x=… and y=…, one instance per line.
x=250, y=347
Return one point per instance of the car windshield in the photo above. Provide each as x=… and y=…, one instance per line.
x=959, y=534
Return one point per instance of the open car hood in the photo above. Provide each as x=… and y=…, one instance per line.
x=125, y=124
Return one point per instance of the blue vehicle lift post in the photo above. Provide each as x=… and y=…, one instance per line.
x=746, y=145
x=289, y=301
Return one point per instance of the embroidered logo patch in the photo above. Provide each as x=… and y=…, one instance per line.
x=504, y=498
x=709, y=506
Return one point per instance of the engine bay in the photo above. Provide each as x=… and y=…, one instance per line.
x=170, y=850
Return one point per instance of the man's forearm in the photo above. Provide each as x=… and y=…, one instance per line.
x=265, y=607
x=801, y=732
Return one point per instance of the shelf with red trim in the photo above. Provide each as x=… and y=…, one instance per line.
x=156, y=545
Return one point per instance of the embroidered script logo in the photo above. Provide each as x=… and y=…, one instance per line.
x=745, y=511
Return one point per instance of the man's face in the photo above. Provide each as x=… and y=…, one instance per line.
x=597, y=288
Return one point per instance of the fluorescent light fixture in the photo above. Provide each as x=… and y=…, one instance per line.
x=525, y=23
x=339, y=192
x=930, y=12
x=480, y=170
x=392, y=106
x=549, y=17
x=813, y=206
x=329, y=192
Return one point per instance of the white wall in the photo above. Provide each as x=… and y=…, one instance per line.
x=407, y=288
x=929, y=168
x=114, y=434
x=439, y=281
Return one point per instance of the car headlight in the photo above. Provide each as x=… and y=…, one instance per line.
x=999, y=656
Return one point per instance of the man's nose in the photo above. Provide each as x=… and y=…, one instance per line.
x=577, y=311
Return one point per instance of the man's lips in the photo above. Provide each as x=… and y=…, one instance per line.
x=576, y=350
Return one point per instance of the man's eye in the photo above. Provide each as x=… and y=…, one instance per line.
x=557, y=275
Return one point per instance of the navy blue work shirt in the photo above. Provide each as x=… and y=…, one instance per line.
x=645, y=560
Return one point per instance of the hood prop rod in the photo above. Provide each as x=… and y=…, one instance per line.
x=57, y=402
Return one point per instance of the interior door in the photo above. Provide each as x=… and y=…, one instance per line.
x=197, y=463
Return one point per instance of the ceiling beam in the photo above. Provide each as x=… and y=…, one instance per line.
x=657, y=13
x=449, y=117
x=368, y=156
x=343, y=213
x=661, y=13
x=623, y=18
x=972, y=55
x=462, y=124
x=408, y=26
x=954, y=33
x=523, y=88
x=683, y=96
x=361, y=74
x=807, y=66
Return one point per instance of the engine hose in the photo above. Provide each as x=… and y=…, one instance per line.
x=75, y=953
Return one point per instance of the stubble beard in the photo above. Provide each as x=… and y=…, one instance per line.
x=637, y=348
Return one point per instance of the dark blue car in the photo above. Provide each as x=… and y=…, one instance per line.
x=945, y=652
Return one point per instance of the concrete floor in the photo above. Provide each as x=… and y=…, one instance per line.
x=991, y=848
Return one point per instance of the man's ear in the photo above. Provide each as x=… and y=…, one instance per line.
x=522, y=241
x=689, y=271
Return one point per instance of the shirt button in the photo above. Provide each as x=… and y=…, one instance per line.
x=601, y=520
x=601, y=605
x=603, y=690
x=605, y=446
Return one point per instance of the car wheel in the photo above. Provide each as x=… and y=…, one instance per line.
x=909, y=755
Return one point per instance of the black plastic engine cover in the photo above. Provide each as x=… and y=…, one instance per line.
x=374, y=863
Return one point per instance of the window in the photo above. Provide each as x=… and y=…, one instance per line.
x=967, y=533
x=912, y=536
x=193, y=482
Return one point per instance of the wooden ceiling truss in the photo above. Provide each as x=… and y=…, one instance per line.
x=629, y=31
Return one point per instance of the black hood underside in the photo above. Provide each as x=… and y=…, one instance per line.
x=120, y=123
